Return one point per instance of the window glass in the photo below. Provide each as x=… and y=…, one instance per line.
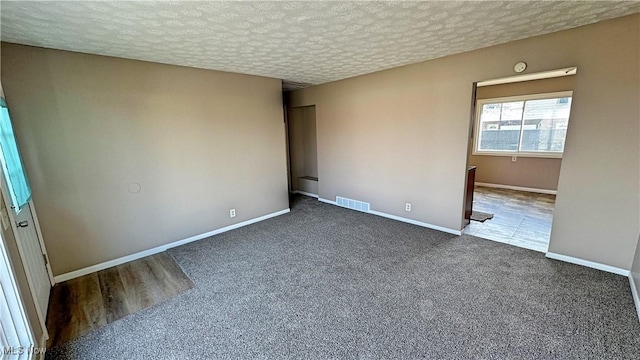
x=534, y=124
x=545, y=125
x=10, y=160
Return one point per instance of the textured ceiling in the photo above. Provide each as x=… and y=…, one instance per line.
x=301, y=42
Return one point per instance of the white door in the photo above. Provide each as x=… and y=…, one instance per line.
x=34, y=257
x=15, y=333
x=18, y=207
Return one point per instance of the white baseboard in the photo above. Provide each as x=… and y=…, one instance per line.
x=305, y=193
x=328, y=201
x=634, y=292
x=517, y=188
x=399, y=218
x=159, y=249
x=587, y=263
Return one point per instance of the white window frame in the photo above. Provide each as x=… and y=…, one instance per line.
x=538, y=154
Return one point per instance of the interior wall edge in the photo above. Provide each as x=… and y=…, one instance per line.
x=634, y=293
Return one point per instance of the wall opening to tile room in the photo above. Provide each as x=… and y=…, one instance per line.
x=515, y=152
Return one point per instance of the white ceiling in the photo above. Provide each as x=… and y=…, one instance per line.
x=309, y=42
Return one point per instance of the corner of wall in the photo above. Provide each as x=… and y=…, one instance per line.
x=634, y=278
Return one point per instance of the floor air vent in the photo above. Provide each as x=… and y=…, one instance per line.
x=352, y=204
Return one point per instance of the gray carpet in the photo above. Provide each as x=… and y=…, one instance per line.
x=325, y=282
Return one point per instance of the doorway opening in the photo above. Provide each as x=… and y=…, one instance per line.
x=303, y=150
x=519, y=127
x=520, y=218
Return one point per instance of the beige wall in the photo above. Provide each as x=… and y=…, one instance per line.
x=401, y=136
x=528, y=172
x=198, y=142
x=302, y=145
x=537, y=173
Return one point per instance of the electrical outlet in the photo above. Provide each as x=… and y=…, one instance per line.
x=232, y=213
x=407, y=206
x=514, y=158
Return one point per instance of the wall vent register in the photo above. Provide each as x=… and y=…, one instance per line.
x=353, y=204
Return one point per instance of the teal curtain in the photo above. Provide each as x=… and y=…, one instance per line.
x=14, y=173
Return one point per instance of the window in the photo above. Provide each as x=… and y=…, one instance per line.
x=530, y=125
x=10, y=160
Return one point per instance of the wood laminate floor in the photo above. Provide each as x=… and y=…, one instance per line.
x=83, y=304
x=520, y=218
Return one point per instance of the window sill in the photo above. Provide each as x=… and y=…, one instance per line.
x=519, y=154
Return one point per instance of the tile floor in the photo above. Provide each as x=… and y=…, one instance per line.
x=520, y=218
